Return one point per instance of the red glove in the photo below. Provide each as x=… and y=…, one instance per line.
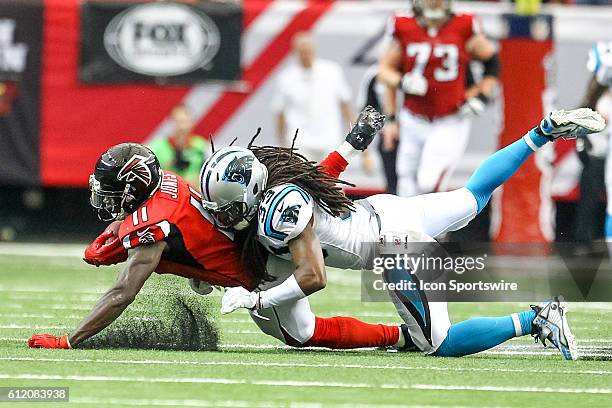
x=48, y=341
x=106, y=249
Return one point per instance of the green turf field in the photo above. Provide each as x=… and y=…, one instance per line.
x=50, y=294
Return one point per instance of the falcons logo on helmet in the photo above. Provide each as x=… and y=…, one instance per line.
x=136, y=169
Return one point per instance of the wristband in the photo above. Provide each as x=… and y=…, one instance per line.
x=288, y=291
x=484, y=98
x=347, y=151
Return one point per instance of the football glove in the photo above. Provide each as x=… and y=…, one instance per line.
x=106, y=249
x=369, y=122
x=236, y=298
x=414, y=84
x=48, y=341
x=472, y=107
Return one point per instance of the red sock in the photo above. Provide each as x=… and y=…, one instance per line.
x=346, y=333
x=334, y=164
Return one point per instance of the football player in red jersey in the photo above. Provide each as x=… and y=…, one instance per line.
x=164, y=229
x=427, y=58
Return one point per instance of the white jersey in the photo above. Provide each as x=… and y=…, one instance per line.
x=286, y=210
x=600, y=63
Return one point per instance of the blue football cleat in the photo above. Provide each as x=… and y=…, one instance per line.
x=551, y=324
x=570, y=124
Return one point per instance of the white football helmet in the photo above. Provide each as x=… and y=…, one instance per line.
x=232, y=182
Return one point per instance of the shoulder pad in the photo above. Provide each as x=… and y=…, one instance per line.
x=284, y=212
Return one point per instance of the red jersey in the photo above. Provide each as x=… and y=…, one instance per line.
x=440, y=56
x=196, y=249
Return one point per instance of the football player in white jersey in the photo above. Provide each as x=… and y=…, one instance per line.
x=303, y=215
x=600, y=65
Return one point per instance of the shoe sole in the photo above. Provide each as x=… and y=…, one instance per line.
x=586, y=118
x=571, y=352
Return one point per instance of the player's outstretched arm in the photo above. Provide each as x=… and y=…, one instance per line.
x=309, y=277
x=141, y=263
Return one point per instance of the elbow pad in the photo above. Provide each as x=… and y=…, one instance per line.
x=491, y=66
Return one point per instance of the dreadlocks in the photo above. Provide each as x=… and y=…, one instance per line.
x=286, y=166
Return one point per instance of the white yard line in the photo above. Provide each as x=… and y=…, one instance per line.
x=585, y=351
x=303, y=365
x=302, y=384
x=48, y=307
x=33, y=327
x=173, y=402
x=236, y=404
x=48, y=290
x=46, y=250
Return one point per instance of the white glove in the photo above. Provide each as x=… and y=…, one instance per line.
x=473, y=107
x=235, y=298
x=200, y=287
x=414, y=84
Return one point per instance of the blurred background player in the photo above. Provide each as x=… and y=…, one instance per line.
x=312, y=96
x=372, y=93
x=591, y=150
x=182, y=152
x=427, y=59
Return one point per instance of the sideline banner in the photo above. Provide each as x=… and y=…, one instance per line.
x=162, y=42
x=524, y=208
x=20, y=49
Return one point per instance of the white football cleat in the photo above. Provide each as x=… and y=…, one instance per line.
x=551, y=324
x=571, y=124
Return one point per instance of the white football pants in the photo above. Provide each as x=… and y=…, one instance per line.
x=289, y=322
x=431, y=215
x=428, y=152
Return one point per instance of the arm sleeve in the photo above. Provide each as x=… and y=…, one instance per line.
x=145, y=235
x=475, y=26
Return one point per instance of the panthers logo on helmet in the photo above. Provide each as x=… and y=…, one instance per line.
x=136, y=169
x=290, y=214
x=239, y=170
